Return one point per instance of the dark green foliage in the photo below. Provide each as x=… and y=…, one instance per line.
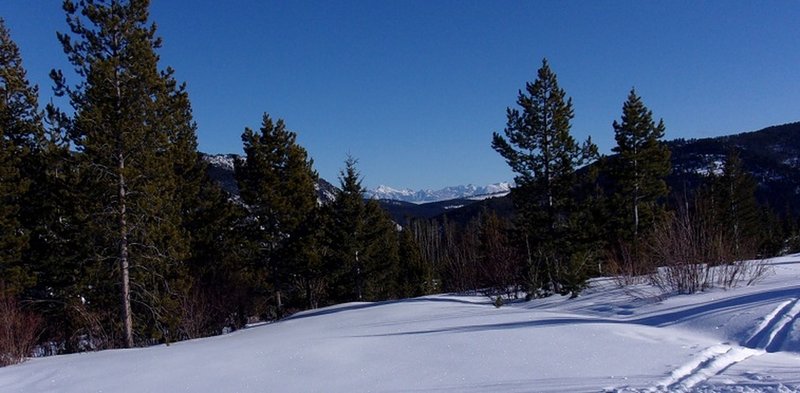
x=21, y=137
x=311, y=277
x=13, y=240
x=363, y=243
x=380, y=261
x=636, y=187
x=540, y=150
x=222, y=281
x=276, y=182
x=637, y=173
x=733, y=207
x=133, y=128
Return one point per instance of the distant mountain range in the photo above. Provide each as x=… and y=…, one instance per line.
x=221, y=167
x=468, y=191
x=771, y=155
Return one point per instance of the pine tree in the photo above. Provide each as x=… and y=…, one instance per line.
x=21, y=134
x=737, y=210
x=311, y=278
x=222, y=288
x=363, y=244
x=638, y=172
x=345, y=234
x=277, y=183
x=539, y=148
x=126, y=136
x=380, y=261
x=13, y=239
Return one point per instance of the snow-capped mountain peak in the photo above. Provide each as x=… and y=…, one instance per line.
x=386, y=190
x=453, y=192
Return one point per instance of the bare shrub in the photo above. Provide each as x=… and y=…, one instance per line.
x=627, y=266
x=89, y=332
x=19, y=330
x=693, y=254
x=195, y=314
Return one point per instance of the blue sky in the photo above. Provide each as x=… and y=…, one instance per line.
x=414, y=89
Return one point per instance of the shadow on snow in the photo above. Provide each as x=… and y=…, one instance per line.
x=659, y=319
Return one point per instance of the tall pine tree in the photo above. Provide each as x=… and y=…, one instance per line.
x=345, y=234
x=19, y=122
x=124, y=130
x=538, y=146
x=638, y=172
x=277, y=183
x=736, y=209
x=363, y=243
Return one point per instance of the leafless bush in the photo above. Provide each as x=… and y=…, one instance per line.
x=89, y=332
x=627, y=266
x=694, y=254
x=195, y=314
x=19, y=330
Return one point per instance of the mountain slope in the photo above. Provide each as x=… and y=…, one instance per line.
x=771, y=155
x=739, y=340
x=221, y=169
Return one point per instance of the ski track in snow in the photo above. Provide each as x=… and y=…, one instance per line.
x=781, y=328
x=769, y=336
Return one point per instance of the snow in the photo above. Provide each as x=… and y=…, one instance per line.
x=470, y=191
x=225, y=161
x=610, y=339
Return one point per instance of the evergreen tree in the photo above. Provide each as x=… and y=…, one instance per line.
x=20, y=129
x=345, y=235
x=222, y=288
x=637, y=172
x=311, y=278
x=362, y=241
x=539, y=148
x=277, y=183
x=737, y=210
x=13, y=239
x=127, y=144
x=380, y=261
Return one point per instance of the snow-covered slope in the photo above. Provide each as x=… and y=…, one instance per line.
x=607, y=340
x=447, y=193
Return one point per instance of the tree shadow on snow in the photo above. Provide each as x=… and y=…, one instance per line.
x=361, y=306
x=660, y=318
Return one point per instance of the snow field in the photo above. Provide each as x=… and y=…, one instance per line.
x=610, y=339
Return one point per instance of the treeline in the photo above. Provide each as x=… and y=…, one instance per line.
x=579, y=214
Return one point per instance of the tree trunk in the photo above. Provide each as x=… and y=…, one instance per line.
x=127, y=317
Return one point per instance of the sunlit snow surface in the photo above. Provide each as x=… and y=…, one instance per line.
x=608, y=340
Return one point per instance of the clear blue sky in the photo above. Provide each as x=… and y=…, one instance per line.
x=414, y=89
